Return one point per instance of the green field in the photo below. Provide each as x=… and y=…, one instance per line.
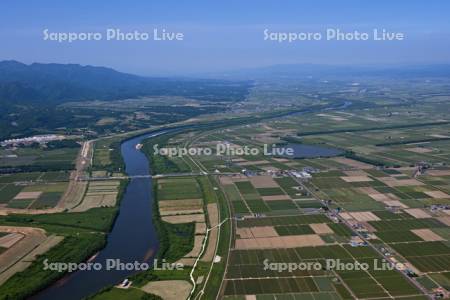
x=248, y=267
x=178, y=188
x=51, y=185
x=426, y=256
x=40, y=159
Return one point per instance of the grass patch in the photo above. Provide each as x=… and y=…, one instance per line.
x=47, y=200
x=97, y=219
x=270, y=191
x=245, y=187
x=178, y=188
x=131, y=294
x=281, y=205
x=21, y=204
x=294, y=230
x=9, y=192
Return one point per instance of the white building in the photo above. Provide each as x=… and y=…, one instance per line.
x=33, y=139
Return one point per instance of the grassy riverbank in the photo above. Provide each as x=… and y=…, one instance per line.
x=35, y=278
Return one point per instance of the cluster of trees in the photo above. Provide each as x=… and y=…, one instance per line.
x=376, y=162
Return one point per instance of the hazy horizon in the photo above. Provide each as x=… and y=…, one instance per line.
x=220, y=37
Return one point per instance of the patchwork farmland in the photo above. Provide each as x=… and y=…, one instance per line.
x=37, y=190
x=348, y=211
x=362, y=211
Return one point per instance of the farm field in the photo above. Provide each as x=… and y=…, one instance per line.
x=271, y=196
x=39, y=159
x=380, y=199
x=100, y=194
x=351, y=209
x=389, y=207
x=36, y=190
x=248, y=270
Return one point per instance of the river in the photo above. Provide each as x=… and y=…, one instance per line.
x=133, y=237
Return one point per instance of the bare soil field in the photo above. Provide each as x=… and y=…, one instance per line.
x=352, y=163
x=438, y=172
x=225, y=180
x=180, y=207
x=213, y=217
x=9, y=240
x=198, y=242
x=253, y=163
x=292, y=241
x=244, y=233
x=321, y=228
x=26, y=261
x=213, y=214
x=169, y=289
x=437, y=194
x=6, y=211
x=418, y=213
x=263, y=231
x=200, y=228
x=256, y=232
x=92, y=201
x=190, y=203
x=73, y=195
x=356, y=178
x=276, y=197
x=419, y=150
x=176, y=212
x=368, y=226
x=211, y=247
x=186, y=261
x=364, y=216
x=396, y=203
x=355, y=173
x=263, y=182
x=445, y=220
x=32, y=238
x=184, y=218
x=345, y=216
x=239, y=178
x=99, y=194
x=427, y=235
x=27, y=195
x=394, y=182
x=76, y=190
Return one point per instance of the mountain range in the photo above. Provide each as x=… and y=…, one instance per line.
x=58, y=83
x=52, y=84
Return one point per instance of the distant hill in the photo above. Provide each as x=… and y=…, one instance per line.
x=58, y=83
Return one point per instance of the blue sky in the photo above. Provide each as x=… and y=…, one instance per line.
x=224, y=35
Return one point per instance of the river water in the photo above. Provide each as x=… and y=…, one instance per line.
x=133, y=237
x=311, y=151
